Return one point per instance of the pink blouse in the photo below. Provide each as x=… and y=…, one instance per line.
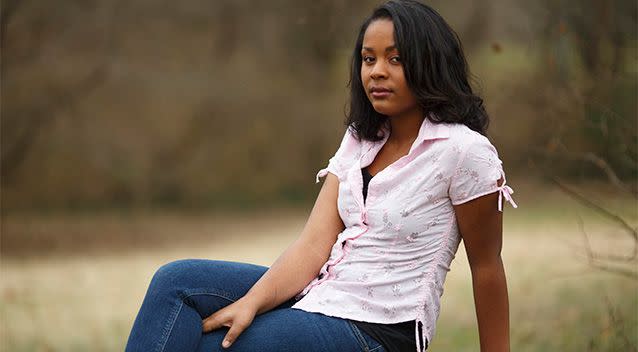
x=389, y=263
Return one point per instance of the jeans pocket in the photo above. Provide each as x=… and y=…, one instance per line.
x=367, y=343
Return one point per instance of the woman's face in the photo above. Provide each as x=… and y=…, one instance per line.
x=382, y=72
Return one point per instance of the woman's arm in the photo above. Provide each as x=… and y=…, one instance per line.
x=301, y=262
x=291, y=272
x=480, y=225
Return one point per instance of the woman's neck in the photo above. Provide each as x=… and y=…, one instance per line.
x=405, y=128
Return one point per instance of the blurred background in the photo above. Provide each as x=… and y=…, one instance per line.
x=134, y=133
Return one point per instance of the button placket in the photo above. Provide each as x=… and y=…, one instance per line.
x=355, y=180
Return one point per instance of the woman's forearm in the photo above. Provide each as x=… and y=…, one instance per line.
x=492, y=306
x=288, y=275
x=301, y=262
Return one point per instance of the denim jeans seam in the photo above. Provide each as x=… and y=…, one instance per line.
x=175, y=313
x=169, y=327
x=218, y=293
x=359, y=336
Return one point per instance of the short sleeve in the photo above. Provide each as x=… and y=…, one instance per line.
x=337, y=164
x=477, y=174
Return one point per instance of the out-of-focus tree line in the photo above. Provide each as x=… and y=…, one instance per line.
x=199, y=103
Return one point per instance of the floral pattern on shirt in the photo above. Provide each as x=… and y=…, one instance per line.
x=389, y=263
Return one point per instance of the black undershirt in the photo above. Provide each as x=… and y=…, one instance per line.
x=397, y=337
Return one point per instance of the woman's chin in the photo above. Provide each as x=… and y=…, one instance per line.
x=383, y=108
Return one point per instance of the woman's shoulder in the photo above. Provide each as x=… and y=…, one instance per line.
x=348, y=151
x=462, y=137
x=350, y=144
x=463, y=145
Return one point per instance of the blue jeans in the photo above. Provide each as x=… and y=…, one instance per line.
x=184, y=292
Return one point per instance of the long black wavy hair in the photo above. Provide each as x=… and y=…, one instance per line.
x=434, y=66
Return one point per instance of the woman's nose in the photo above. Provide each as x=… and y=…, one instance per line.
x=379, y=71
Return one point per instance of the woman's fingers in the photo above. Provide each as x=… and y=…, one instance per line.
x=235, y=330
x=213, y=322
x=236, y=317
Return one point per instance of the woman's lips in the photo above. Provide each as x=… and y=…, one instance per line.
x=380, y=92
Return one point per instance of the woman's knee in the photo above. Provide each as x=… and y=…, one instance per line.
x=187, y=274
x=174, y=274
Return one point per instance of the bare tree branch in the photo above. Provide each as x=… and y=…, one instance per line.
x=593, y=256
x=611, y=216
x=594, y=159
x=619, y=325
x=617, y=270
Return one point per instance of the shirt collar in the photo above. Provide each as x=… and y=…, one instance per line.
x=428, y=131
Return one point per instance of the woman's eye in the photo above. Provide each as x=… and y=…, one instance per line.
x=368, y=59
x=395, y=59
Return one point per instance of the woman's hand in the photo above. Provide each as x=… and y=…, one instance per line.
x=237, y=316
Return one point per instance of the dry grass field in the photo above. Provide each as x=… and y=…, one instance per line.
x=80, y=289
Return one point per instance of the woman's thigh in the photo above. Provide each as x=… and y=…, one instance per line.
x=231, y=279
x=207, y=285
x=294, y=330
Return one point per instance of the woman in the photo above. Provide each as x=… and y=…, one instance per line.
x=413, y=175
